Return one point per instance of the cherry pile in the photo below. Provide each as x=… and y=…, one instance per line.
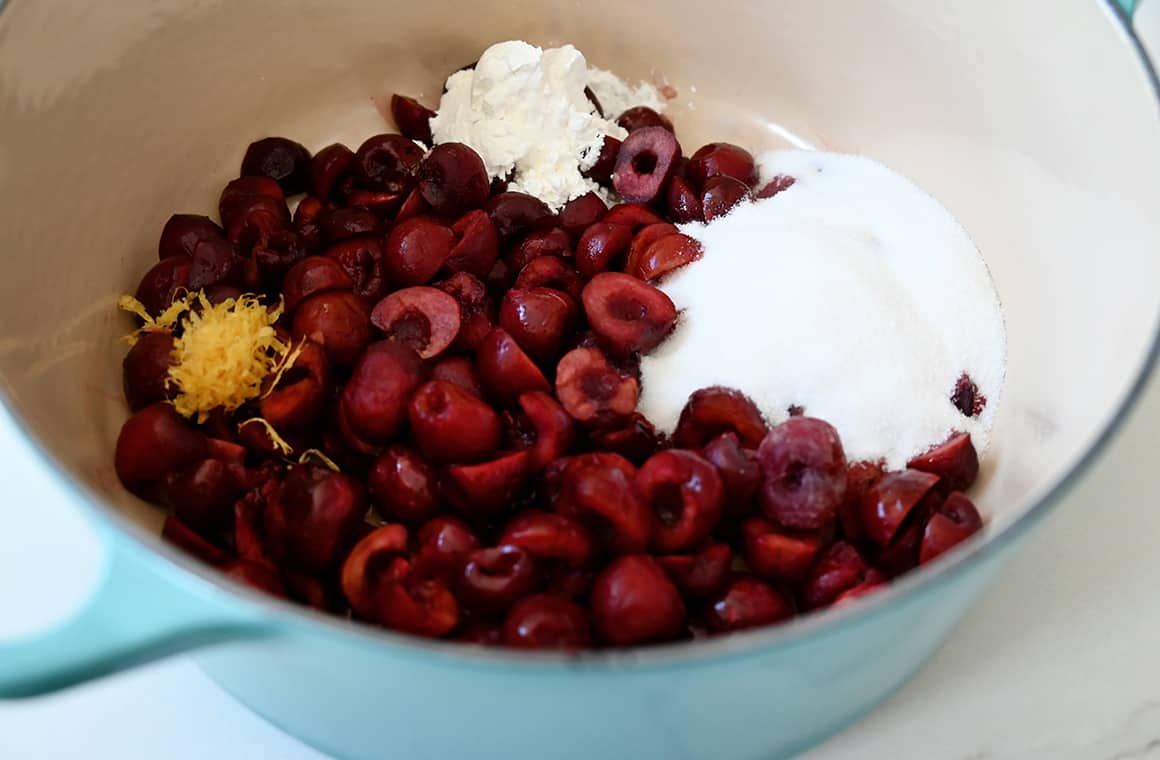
x=469, y=363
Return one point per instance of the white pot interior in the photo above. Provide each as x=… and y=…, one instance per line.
x=1039, y=133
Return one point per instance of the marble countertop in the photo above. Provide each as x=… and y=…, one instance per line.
x=1060, y=660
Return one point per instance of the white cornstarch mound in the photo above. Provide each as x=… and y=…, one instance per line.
x=853, y=294
x=523, y=109
x=617, y=96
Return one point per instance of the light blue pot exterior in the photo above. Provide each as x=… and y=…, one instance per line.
x=343, y=688
x=768, y=705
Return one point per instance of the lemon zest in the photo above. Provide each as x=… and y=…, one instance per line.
x=224, y=353
x=278, y=441
x=316, y=454
x=286, y=363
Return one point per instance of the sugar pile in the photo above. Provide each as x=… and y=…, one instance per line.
x=853, y=294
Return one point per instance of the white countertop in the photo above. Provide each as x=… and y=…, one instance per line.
x=1060, y=661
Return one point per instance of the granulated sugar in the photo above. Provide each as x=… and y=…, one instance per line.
x=853, y=294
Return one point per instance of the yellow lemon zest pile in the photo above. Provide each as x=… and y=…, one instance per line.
x=223, y=354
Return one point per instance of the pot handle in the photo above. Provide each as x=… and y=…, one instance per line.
x=1128, y=7
x=141, y=612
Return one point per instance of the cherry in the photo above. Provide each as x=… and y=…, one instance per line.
x=887, y=503
x=722, y=160
x=443, y=546
x=739, y=471
x=476, y=245
x=551, y=272
x=386, y=162
x=547, y=621
x=374, y=402
x=282, y=160
x=249, y=538
x=343, y=223
x=776, y=185
x=684, y=203
x=416, y=249
x=548, y=536
x=634, y=602
x=362, y=260
x=426, y=319
x=598, y=490
x=644, y=164
x=955, y=462
x=505, y=370
x=721, y=195
x=419, y=607
x=643, y=238
x=476, y=311
x=640, y=117
x=403, y=487
x=709, y=412
x=203, y=494
x=553, y=428
x=176, y=532
x=685, y=493
x=182, y=233
x=314, y=274
x=480, y=632
x=329, y=167
x=860, y=476
x=636, y=439
x=162, y=283
x=413, y=205
x=702, y=574
x=486, y=489
x=954, y=522
x=260, y=577
x=592, y=391
x=747, y=603
x=541, y=320
x=601, y=170
x=451, y=425
x=145, y=369
x=460, y=371
x=603, y=246
x=153, y=443
x=805, y=474
x=452, y=179
x=838, y=569
x=494, y=579
x=338, y=321
x=301, y=394
x=548, y=241
x=370, y=565
x=628, y=315
x=245, y=194
x=664, y=255
x=516, y=213
x=966, y=397
x=776, y=555
x=313, y=517
x=580, y=213
x=412, y=118
x=632, y=215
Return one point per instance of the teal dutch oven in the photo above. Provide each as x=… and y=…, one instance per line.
x=1035, y=123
